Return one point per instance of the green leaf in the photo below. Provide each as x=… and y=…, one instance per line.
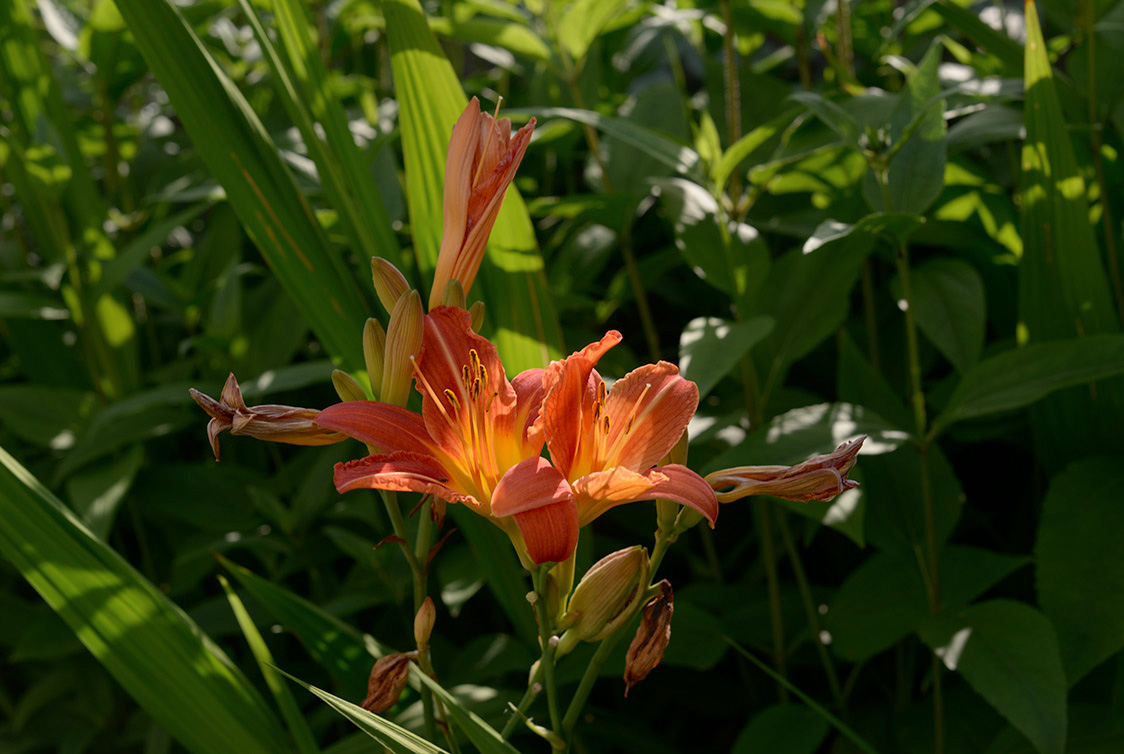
x=676, y=155
x=1008, y=653
x=885, y=599
x=582, y=23
x=393, y=737
x=1080, y=573
x=17, y=304
x=782, y=729
x=298, y=728
x=484, y=737
x=511, y=280
x=511, y=36
x=97, y=493
x=833, y=116
x=747, y=145
x=1063, y=290
x=1017, y=378
x=157, y=654
x=895, y=517
x=710, y=347
x=234, y=145
x=948, y=304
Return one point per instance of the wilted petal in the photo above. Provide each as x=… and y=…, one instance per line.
x=598, y=492
x=539, y=499
x=387, y=682
x=819, y=478
x=652, y=637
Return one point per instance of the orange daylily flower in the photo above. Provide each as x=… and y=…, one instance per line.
x=479, y=437
x=482, y=160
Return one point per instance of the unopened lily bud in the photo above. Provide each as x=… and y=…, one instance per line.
x=423, y=622
x=454, y=295
x=652, y=637
x=668, y=510
x=347, y=387
x=390, y=284
x=819, y=478
x=476, y=311
x=271, y=422
x=374, y=351
x=403, y=341
x=388, y=680
x=606, y=596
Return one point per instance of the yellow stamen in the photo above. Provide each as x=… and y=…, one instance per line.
x=452, y=399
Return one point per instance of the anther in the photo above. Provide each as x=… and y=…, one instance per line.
x=452, y=399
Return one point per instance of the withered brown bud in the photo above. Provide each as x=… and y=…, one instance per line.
x=272, y=422
x=423, y=622
x=818, y=478
x=388, y=680
x=652, y=637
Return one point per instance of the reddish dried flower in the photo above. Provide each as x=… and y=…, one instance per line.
x=819, y=478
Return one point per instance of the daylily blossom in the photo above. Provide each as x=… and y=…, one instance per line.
x=271, y=421
x=819, y=478
x=479, y=437
x=482, y=160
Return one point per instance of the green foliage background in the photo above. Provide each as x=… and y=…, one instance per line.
x=894, y=219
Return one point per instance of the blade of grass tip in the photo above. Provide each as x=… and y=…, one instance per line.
x=832, y=720
x=239, y=153
x=298, y=728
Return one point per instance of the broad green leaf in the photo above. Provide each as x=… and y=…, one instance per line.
x=1063, y=291
x=583, y=21
x=782, y=729
x=44, y=415
x=298, y=728
x=915, y=177
x=393, y=737
x=234, y=145
x=746, y=146
x=157, y=654
x=1019, y=377
x=895, y=514
x=520, y=312
x=948, y=304
x=1008, y=653
x=833, y=116
x=483, y=736
x=21, y=305
x=884, y=600
x=96, y=494
x=1080, y=573
x=676, y=155
x=1091, y=728
x=710, y=347
x=510, y=35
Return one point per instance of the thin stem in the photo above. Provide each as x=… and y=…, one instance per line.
x=647, y=322
x=592, y=672
x=538, y=577
x=733, y=93
x=776, y=619
x=810, y=609
x=871, y=319
x=529, y=696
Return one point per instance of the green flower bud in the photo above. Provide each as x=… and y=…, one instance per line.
x=605, y=597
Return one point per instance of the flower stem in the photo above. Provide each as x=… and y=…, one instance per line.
x=769, y=560
x=542, y=612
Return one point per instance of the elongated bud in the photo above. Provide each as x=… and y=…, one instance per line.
x=347, y=387
x=423, y=623
x=273, y=422
x=819, y=478
x=374, y=352
x=454, y=295
x=403, y=340
x=668, y=510
x=390, y=284
x=387, y=681
x=606, y=596
x=476, y=311
x=652, y=637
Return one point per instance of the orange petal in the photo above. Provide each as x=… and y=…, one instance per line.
x=598, y=492
x=529, y=394
x=538, y=497
x=459, y=167
x=391, y=428
x=400, y=472
x=567, y=408
x=649, y=409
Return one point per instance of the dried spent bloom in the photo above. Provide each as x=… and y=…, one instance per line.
x=271, y=422
x=603, y=600
x=483, y=156
x=652, y=637
x=819, y=478
x=387, y=681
